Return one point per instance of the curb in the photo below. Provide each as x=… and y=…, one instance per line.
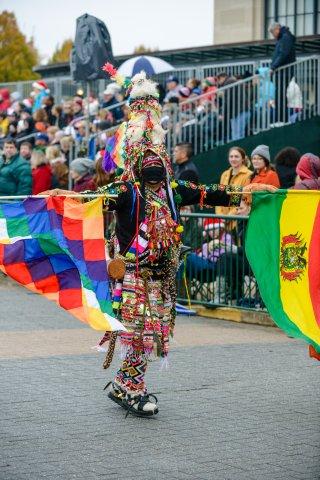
x=235, y=315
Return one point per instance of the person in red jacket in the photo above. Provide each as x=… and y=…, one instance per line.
x=263, y=171
x=4, y=99
x=41, y=172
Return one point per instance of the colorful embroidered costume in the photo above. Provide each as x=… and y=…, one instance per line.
x=147, y=239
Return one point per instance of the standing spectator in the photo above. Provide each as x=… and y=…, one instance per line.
x=238, y=174
x=41, y=172
x=173, y=86
x=41, y=91
x=15, y=172
x=286, y=162
x=283, y=54
x=4, y=100
x=265, y=104
x=185, y=169
x=263, y=171
x=26, y=150
x=81, y=172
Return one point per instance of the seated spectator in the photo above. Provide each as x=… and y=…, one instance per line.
x=48, y=103
x=100, y=177
x=60, y=173
x=41, y=172
x=25, y=150
x=25, y=128
x=4, y=123
x=308, y=171
x=15, y=172
x=110, y=100
x=77, y=108
x=81, y=170
x=194, y=86
x=92, y=106
x=41, y=141
x=238, y=174
x=4, y=100
x=200, y=265
x=209, y=87
x=65, y=147
x=51, y=131
x=184, y=167
x=286, y=162
x=52, y=152
x=66, y=115
x=79, y=132
x=41, y=120
x=172, y=87
x=263, y=171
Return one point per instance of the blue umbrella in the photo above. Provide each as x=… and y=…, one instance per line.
x=151, y=65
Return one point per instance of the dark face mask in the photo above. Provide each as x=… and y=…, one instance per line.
x=153, y=174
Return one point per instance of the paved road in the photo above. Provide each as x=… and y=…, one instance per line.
x=239, y=402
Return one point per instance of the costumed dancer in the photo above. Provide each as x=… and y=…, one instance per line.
x=147, y=241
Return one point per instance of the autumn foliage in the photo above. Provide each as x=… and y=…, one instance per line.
x=62, y=53
x=17, y=54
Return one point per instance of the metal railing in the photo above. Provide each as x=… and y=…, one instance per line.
x=217, y=272
x=64, y=87
x=246, y=107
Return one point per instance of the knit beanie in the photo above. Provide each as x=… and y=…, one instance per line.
x=263, y=151
x=82, y=165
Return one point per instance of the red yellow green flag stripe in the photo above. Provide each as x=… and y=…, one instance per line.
x=283, y=248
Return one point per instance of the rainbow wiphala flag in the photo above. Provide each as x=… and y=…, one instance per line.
x=283, y=248
x=55, y=246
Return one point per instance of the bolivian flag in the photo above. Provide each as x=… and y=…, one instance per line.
x=283, y=249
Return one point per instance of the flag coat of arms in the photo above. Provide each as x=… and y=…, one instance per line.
x=283, y=249
x=55, y=247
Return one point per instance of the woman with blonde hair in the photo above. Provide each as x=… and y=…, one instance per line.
x=52, y=152
x=238, y=174
x=41, y=172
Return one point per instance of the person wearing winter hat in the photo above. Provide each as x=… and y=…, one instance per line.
x=217, y=241
x=81, y=170
x=40, y=89
x=263, y=171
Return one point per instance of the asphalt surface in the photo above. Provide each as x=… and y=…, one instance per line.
x=238, y=402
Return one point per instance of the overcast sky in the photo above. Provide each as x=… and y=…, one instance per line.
x=164, y=24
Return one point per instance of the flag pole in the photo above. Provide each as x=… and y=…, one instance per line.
x=73, y=195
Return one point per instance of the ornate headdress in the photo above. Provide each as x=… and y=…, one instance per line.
x=143, y=131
